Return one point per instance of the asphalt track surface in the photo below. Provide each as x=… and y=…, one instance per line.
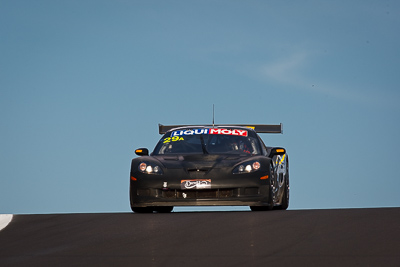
x=347, y=237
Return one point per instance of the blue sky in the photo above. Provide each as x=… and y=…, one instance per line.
x=84, y=83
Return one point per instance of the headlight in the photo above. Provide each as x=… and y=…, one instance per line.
x=150, y=168
x=246, y=167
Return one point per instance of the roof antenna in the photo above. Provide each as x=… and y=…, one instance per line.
x=213, y=115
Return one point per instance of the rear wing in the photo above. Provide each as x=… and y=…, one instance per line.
x=259, y=128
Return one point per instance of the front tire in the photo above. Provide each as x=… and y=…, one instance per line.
x=285, y=197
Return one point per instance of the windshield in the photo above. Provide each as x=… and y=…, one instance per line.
x=209, y=141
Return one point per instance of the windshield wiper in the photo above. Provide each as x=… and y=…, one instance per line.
x=203, y=145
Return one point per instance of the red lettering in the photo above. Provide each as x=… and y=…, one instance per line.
x=242, y=132
x=228, y=132
x=215, y=131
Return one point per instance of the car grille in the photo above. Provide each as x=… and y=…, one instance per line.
x=200, y=194
x=195, y=194
x=206, y=194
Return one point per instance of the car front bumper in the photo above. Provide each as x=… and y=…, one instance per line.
x=241, y=196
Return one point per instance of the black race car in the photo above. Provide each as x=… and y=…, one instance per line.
x=210, y=165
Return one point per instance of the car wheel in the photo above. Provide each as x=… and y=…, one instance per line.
x=270, y=193
x=285, y=197
x=285, y=200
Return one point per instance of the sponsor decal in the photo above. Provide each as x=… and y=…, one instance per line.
x=196, y=184
x=210, y=131
x=172, y=139
x=228, y=132
x=190, y=132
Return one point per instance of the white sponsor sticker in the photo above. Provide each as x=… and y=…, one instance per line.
x=196, y=184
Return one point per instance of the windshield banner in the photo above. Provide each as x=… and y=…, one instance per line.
x=210, y=131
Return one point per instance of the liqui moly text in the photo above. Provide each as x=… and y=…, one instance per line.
x=210, y=131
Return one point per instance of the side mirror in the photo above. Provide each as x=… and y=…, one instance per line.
x=277, y=151
x=142, y=152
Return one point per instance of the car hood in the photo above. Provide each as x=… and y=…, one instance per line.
x=200, y=162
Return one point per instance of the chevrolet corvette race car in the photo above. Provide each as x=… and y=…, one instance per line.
x=210, y=165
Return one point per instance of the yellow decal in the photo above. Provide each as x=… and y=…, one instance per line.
x=281, y=159
x=173, y=139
